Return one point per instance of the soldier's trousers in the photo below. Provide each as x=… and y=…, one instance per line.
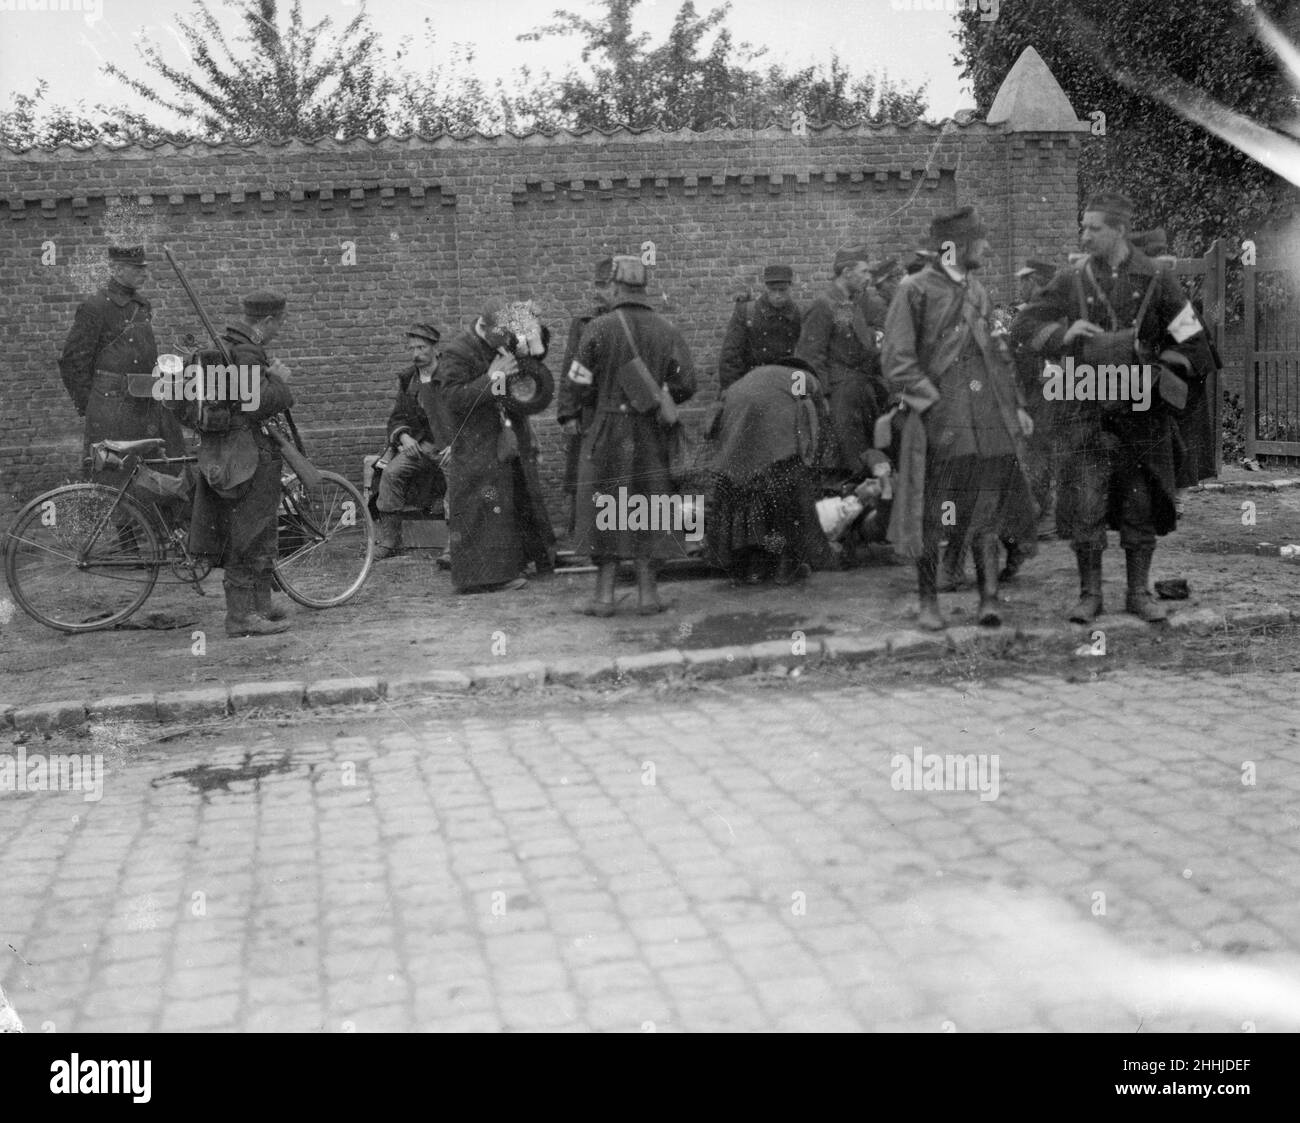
x=1094, y=470
x=241, y=533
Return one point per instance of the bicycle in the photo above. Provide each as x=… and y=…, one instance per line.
x=85, y=556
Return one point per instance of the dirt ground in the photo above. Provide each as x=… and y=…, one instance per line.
x=407, y=619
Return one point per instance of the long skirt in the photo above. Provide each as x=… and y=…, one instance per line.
x=773, y=512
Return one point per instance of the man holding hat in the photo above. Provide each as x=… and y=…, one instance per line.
x=108, y=360
x=632, y=370
x=963, y=439
x=761, y=331
x=1115, y=307
x=567, y=412
x=496, y=515
x=412, y=477
x=841, y=346
x=237, y=499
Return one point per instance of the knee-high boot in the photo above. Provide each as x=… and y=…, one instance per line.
x=1090, y=605
x=985, y=549
x=1139, y=600
x=927, y=588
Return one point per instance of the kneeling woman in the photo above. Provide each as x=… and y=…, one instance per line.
x=762, y=516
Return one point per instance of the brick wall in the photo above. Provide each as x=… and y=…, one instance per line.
x=364, y=237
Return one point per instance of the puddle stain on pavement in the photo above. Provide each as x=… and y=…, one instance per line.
x=206, y=778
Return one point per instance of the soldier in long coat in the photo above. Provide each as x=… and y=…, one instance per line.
x=1116, y=465
x=496, y=511
x=237, y=498
x=761, y=331
x=626, y=451
x=963, y=442
x=568, y=413
x=841, y=346
x=112, y=340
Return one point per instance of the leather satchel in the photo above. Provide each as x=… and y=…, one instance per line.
x=636, y=380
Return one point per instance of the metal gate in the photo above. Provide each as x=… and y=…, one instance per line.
x=1271, y=362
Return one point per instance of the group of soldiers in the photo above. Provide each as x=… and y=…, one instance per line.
x=891, y=365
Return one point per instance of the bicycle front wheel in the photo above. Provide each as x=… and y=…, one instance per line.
x=327, y=541
x=81, y=557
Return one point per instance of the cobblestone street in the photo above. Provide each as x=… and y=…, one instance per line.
x=1124, y=857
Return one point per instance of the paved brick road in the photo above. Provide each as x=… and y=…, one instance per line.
x=727, y=860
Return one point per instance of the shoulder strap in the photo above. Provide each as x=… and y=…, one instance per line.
x=628, y=332
x=1142, y=308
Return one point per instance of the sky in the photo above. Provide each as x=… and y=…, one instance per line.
x=66, y=42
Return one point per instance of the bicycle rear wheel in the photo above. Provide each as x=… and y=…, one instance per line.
x=81, y=557
x=327, y=541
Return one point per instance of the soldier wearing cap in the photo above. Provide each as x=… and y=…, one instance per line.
x=412, y=476
x=761, y=331
x=626, y=451
x=838, y=341
x=567, y=411
x=1116, y=309
x=237, y=500
x=962, y=444
x=108, y=360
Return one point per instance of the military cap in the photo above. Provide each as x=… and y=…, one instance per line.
x=421, y=330
x=604, y=271
x=849, y=256
x=630, y=271
x=961, y=225
x=1151, y=242
x=920, y=259
x=127, y=255
x=886, y=268
x=1113, y=204
x=1036, y=268
x=259, y=305
x=778, y=275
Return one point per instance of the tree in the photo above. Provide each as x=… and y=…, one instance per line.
x=278, y=86
x=31, y=122
x=691, y=82
x=1112, y=58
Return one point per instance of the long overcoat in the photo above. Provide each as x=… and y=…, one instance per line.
x=113, y=332
x=841, y=345
x=498, y=519
x=624, y=449
x=1145, y=440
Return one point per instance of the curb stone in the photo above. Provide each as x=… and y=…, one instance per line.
x=587, y=670
x=527, y=675
x=421, y=686
x=125, y=707
x=277, y=695
x=344, y=691
x=719, y=662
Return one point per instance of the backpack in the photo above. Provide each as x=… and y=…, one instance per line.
x=192, y=407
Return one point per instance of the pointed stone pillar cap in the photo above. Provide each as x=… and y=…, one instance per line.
x=1030, y=100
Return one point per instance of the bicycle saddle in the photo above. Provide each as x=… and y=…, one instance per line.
x=126, y=448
